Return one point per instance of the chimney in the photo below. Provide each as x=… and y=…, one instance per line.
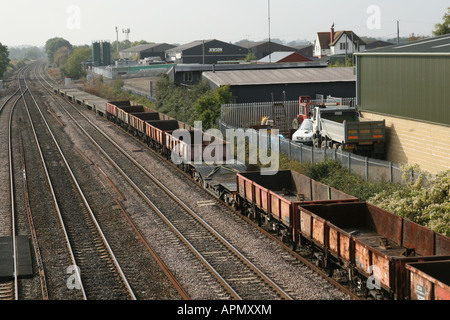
x=332, y=34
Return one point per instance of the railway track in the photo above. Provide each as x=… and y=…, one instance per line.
x=8, y=289
x=131, y=248
x=237, y=275
x=92, y=266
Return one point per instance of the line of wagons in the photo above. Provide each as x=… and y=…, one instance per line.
x=383, y=254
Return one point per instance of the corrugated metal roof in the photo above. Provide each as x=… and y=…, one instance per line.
x=436, y=45
x=190, y=45
x=145, y=47
x=280, y=76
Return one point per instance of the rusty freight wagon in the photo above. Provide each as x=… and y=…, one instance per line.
x=276, y=197
x=191, y=146
x=429, y=280
x=123, y=115
x=137, y=122
x=155, y=131
x=374, y=245
x=112, y=109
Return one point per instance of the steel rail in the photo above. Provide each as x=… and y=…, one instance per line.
x=11, y=185
x=13, y=209
x=87, y=206
x=184, y=206
x=55, y=201
x=164, y=268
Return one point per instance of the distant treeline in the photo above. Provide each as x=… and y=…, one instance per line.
x=26, y=53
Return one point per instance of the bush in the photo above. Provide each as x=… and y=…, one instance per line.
x=426, y=201
x=427, y=205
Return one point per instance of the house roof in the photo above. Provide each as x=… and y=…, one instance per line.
x=350, y=35
x=325, y=39
x=438, y=45
x=280, y=76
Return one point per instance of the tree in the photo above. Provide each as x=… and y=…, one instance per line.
x=250, y=57
x=61, y=56
x=207, y=107
x=52, y=45
x=414, y=37
x=444, y=27
x=34, y=53
x=73, y=68
x=4, y=59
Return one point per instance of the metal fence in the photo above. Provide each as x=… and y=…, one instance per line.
x=367, y=168
x=247, y=115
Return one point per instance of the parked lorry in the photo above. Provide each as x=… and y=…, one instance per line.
x=342, y=127
x=306, y=107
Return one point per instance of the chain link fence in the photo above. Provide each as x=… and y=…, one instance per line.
x=367, y=168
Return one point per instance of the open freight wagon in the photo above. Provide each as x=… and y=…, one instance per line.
x=195, y=146
x=277, y=196
x=374, y=245
x=429, y=280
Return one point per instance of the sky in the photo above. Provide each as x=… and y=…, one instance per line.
x=26, y=22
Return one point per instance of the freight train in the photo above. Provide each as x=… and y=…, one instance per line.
x=383, y=254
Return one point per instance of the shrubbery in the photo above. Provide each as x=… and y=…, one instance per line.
x=197, y=103
x=426, y=203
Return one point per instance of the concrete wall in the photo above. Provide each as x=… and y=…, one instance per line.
x=415, y=142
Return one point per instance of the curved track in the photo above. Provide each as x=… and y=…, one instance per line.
x=240, y=278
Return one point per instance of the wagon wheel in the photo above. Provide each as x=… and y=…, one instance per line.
x=359, y=284
x=197, y=177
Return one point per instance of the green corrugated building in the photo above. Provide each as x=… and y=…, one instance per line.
x=411, y=80
x=408, y=86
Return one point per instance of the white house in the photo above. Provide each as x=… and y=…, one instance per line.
x=337, y=42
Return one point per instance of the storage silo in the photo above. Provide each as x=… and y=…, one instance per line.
x=96, y=54
x=106, y=53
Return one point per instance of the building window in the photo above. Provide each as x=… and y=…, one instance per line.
x=188, y=77
x=343, y=46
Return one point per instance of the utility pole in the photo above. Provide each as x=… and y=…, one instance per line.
x=117, y=39
x=127, y=35
x=270, y=45
x=398, y=31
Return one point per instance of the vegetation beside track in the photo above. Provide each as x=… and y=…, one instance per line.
x=425, y=201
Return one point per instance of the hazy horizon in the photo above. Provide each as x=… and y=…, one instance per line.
x=82, y=22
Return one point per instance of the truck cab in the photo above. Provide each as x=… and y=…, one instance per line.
x=304, y=112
